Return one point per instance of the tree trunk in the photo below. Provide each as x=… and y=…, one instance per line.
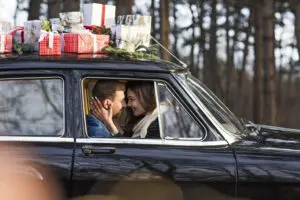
x=153, y=20
x=241, y=78
x=192, y=54
x=100, y=1
x=258, y=66
x=175, y=31
x=229, y=55
x=124, y=7
x=269, y=63
x=297, y=26
x=71, y=5
x=202, y=40
x=34, y=9
x=212, y=78
x=165, y=27
x=54, y=8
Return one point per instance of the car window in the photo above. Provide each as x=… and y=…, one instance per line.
x=32, y=107
x=176, y=123
x=167, y=118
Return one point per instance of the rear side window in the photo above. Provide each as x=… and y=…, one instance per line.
x=32, y=107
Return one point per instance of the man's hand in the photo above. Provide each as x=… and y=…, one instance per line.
x=104, y=115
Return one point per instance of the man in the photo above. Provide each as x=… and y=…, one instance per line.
x=108, y=101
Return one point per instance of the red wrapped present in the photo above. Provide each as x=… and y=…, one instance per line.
x=50, y=45
x=85, y=56
x=85, y=43
x=18, y=34
x=5, y=43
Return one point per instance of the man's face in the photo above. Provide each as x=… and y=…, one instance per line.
x=119, y=102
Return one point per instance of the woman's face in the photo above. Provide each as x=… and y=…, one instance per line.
x=135, y=104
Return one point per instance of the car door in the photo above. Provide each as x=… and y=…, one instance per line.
x=167, y=168
x=35, y=126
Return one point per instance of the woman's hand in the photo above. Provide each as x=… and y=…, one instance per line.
x=104, y=115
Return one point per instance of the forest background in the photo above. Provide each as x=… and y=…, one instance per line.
x=246, y=51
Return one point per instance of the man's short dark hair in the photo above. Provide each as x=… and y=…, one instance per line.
x=106, y=89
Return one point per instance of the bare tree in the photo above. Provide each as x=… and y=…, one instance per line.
x=124, y=7
x=202, y=39
x=258, y=65
x=211, y=76
x=165, y=26
x=71, y=5
x=54, y=8
x=269, y=63
x=34, y=9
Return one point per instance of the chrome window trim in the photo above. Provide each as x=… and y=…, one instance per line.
x=63, y=132
x=159, y=142
x=158, y=110
x=226, y=134
x=36, y=139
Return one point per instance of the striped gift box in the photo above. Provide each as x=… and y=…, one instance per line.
x=5, y=43
x=85, y=43
x=46, y=50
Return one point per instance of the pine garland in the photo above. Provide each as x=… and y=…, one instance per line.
x=22, y=48
x=101, y=30
x=141, y=52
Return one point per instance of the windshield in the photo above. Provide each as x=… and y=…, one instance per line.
x=225, y=117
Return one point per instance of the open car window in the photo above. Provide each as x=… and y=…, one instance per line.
x=168, y=119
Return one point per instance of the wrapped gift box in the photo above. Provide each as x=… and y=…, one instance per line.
x=85, y=43
x=5, y=43
x=32, y=33
x=131, y=31
x=5, y=26
x=50, y=45
x=129, y=37
x=18, y=34
x=136, y=20
x=99, y=14
x=85, y=56
x=56, y=25
x=71, y=21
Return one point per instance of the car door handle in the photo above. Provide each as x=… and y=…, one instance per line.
x=90, y=150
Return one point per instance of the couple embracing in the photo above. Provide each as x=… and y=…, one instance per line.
x=110, y=96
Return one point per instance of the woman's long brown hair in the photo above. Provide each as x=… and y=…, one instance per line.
x=144, y=90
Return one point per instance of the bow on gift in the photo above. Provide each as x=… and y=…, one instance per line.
x=18, y=28
x=2, y=43
x=44, y=34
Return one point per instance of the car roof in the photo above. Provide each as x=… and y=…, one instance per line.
x=85, y=61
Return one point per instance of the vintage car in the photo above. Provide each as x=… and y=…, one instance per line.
x=204, y=151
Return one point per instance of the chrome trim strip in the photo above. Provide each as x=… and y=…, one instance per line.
x=278, y=150
x=158, y=110
x=159, y=142
x=36, y=139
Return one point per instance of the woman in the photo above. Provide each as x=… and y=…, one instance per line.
x=141, y=101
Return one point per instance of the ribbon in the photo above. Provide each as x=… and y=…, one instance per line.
x=2, y=43
x=18, y=28
x=90, y=27
x=51, y=40
x=62, y=42
x=95, y=43
x=44, y=33
x=103, y=14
